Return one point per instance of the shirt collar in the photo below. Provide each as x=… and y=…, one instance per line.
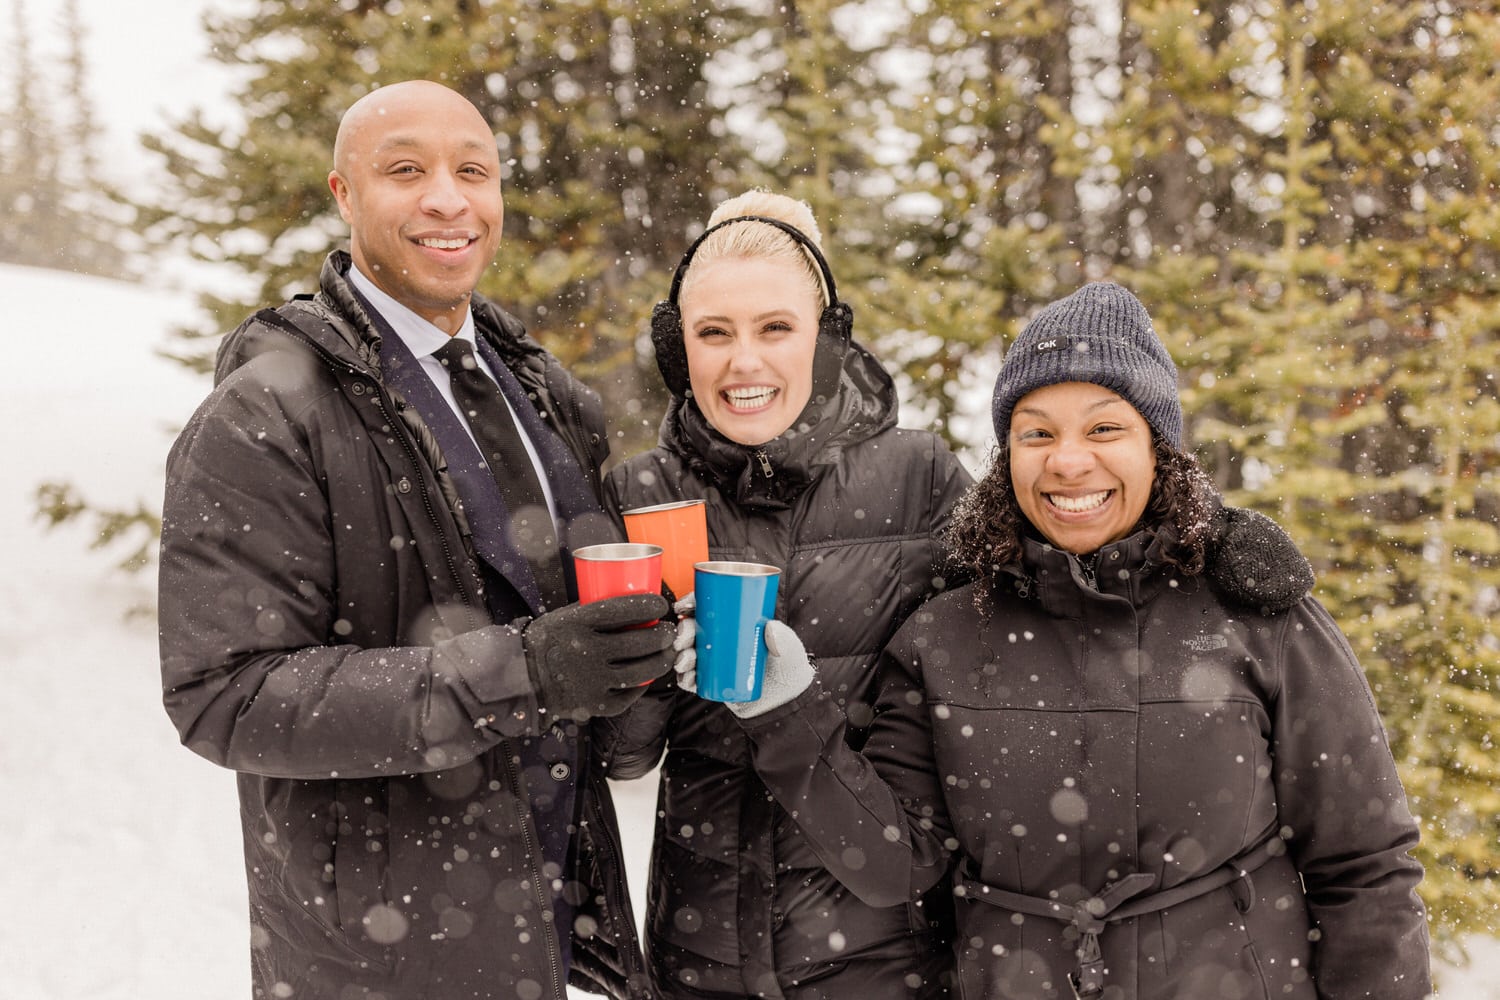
x=419, y=335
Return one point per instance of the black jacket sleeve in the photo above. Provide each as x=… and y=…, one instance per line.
x=264, y=670
x=876, y=818
x=1345, y=816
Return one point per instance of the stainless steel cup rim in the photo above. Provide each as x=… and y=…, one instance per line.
x=617, y=552
x=654, y=508
x=723, y=568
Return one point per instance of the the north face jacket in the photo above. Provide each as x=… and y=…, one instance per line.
x=850, y=507
x=324, y=634
x=1136, y=788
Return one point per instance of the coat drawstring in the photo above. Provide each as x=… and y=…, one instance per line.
x=1123, y=900
x=1088, y=918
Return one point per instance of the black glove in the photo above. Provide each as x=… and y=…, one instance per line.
x=586, y=660
x=1253, y=561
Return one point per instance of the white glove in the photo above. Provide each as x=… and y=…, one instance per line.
x=686, y=664
x=788, y=672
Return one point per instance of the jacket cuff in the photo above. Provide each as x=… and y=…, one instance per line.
x=812, y=702
x=490, y=663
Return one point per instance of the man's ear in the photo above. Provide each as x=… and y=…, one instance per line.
x=340, y=189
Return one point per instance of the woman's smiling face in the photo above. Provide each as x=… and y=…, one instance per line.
x=750, y=327
x=1081, y=464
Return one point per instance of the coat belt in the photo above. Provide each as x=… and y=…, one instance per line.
x=1120, y=900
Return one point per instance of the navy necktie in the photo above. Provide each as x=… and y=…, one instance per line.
x=500, y=445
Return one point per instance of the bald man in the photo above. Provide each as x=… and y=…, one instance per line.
x=366, y=608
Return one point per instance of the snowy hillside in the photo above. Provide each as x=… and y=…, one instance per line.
x=122, y=877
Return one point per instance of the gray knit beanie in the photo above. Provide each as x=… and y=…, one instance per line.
x=1099, y=334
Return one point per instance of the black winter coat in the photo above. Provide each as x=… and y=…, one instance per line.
x=323, y=633
x=850, y=507
x=1146, y=787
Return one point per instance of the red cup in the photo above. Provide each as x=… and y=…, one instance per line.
x=617, y=570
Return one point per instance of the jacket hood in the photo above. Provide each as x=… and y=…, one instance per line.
x=1250, y=561
x=355, y=343
x=350, y=336
x=771, y=475
x=1133, y=567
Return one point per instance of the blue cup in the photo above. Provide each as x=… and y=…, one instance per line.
x=735, y=600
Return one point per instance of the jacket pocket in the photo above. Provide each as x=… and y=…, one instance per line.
x=1247, y=939
x=299, y=899
x=694, y=903
x=1273, y=918
x=361, y=857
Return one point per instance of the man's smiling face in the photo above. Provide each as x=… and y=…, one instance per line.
x=417, y=177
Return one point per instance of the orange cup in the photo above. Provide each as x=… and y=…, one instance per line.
x=681, y=529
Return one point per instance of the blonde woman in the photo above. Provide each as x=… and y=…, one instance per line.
x=786, y=427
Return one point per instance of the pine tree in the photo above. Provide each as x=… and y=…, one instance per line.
x=803, y=123
x=83, y=125
x=988, y=224
x=1331, y=317
x=31, y=215
x=55, y=211
x=98, y=219
x=1410, y=186
x=605, y=138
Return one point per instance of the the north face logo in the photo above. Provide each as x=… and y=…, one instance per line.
x=1206, y=643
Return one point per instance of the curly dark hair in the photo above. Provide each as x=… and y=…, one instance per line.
x=984, y=535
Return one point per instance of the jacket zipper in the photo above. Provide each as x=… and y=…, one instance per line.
x=580, y=448
x=1086, y=565
x=765, y=463
x=528, y=844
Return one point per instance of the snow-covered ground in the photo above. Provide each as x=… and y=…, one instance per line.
x=122, y=875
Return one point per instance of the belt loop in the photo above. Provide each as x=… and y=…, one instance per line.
x=1243, y=889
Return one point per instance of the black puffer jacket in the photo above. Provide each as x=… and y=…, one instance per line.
x=1118, y=755
x=323, y=634
x=850, y=508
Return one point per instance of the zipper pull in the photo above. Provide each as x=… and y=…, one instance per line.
x=765, y=465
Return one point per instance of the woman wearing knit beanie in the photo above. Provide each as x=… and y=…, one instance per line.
x=1147, y=772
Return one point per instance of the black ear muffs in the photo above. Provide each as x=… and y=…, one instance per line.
x=835, y=325
x=671, y=352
